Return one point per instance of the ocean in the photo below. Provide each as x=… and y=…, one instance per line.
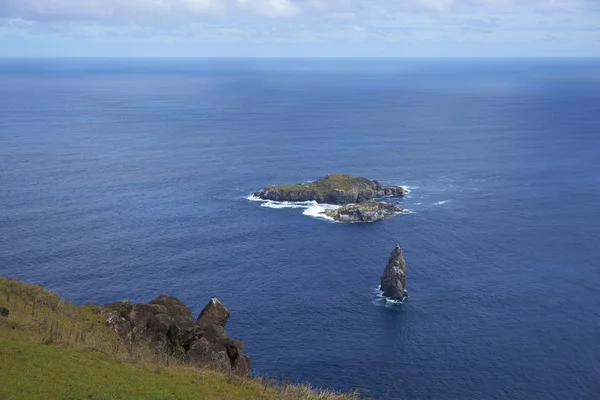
x=129, y=178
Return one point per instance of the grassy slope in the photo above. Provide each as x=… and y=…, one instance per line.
x=50, y=349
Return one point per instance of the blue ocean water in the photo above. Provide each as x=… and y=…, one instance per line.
x=125, y=179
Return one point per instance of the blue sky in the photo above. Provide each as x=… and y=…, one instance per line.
x=297, y=28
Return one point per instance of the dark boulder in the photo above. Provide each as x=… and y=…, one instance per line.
x=214, y=313
x=122, y=307
x=159, y=326
x=4, y=312
x=166, y=324
x=174, y=306
x=183, y=331
x=240, y=363
x=393, y=280
x=212, y=333
x=123, y=327
x=203, y=352
x=140, y=315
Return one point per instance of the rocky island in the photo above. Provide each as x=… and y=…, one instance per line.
x=355, y=195
x=333, y=189
x=393, y=280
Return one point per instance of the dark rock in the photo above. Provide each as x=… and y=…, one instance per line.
x=156, y=333
x=363, y=212
x=212, y=333
x=388, y=191
x=183, y=331
x=159, y=326
x=4, y=312
x=168, y=327
x=332, y=189
x=122, y=307
x=242, y=366
x=240, y=363
x=234, y=349
x=139, y=316
x=174, y=306
x=119, y=324
x=202, y=352
x=141, y=313
x=393, y=280
x=214, y=313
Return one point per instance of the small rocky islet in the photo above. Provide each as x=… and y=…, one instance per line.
x=393, y=280
x=355, y=196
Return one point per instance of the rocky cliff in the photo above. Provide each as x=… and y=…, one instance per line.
x=393, y=280
x=167, y=325
x=332, y=189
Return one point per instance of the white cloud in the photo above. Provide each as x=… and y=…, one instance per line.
x=413, y=26
x=270, y=8
x=175, y=10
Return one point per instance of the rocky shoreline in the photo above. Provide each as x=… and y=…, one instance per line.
x=364, y=212
x=166, y=324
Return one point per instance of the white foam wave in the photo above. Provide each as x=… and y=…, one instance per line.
x=311, y=208
x=381, y=301
x=252, y=197
x=439, y=203
x=409, y=188
x=284, y=204
x=317, y=209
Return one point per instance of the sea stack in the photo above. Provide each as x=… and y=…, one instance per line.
x=393, y=280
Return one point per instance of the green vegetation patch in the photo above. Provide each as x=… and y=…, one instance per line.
x=327, y=184
x=37, y=371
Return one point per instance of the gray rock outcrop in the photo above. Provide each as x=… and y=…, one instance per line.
x=363, y=212
x=213, y=314
x=393, y=280
x=166, y=323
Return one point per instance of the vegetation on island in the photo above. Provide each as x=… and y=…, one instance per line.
x=338, y=189
x=327, y=184
x=52, y=349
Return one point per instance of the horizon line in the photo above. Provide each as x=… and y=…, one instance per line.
x=555, y=57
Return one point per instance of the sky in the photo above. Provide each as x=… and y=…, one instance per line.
x=300, y=28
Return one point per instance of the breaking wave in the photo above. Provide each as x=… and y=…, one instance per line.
x=311, y=208
x=381, y=301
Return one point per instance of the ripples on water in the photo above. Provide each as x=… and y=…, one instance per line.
x=127, y=179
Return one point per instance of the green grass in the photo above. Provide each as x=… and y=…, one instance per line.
x=36, y=371
x=327, y=184
x=51, y=349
